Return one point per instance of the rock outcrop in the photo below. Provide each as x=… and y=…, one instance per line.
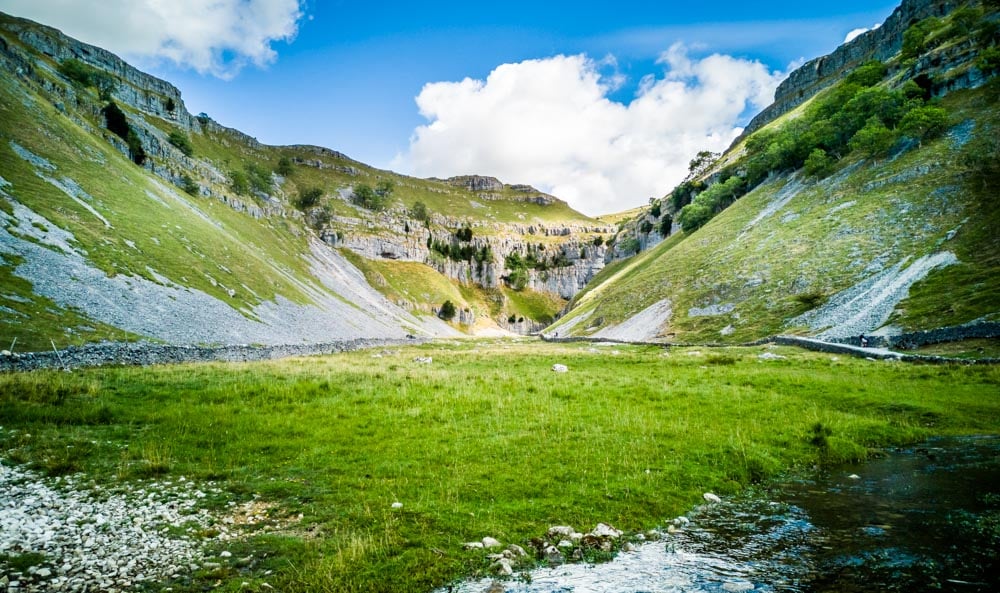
x=878, y=44
x=141, y=91
x=489, y=188
x=476, y=182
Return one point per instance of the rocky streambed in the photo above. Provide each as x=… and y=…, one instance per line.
x=69, y=534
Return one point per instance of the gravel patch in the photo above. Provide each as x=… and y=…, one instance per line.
x=568, y=326
x=75, y=193
x=711, y=310
x=962, y=133
x=779, y=201
x=644, y=325
x=343, y=305
x=91, y=539
x=840, y=207
x=868, y=304
x=37, y=161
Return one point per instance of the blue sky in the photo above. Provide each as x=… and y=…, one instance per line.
x=347, y=75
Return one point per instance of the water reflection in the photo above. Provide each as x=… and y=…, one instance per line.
x=921, y=519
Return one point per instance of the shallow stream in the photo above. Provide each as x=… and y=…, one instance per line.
x=925, y=518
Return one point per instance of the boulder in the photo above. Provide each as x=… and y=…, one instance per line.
x=560, y=368
x=560, y=531
x=603, y=530
x=502, y=567
x=552, y=555
x=709, y=497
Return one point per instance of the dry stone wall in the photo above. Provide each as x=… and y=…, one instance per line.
x=145, y=354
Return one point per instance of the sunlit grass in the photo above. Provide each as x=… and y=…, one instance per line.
x=486, y=440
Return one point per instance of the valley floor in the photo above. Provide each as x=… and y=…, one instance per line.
x=369, y=470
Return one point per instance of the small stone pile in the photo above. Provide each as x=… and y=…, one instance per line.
x=81, y=537
x=561, y=543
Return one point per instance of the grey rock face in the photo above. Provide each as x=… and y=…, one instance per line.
x=476, y=182
x=878, y=44
x=136, y=88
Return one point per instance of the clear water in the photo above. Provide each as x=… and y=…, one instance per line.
x=925, y=518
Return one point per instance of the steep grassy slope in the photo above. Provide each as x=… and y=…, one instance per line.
x=797, y=244
x=94, y=247
x=204, y=240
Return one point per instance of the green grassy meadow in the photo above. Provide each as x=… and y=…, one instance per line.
x=485, y=441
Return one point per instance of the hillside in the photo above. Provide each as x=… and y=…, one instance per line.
x=866, y=204
x=126, y=217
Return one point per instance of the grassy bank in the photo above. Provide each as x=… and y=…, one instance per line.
x=485, y=441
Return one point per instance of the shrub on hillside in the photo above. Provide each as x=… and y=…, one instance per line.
x=694, y=216
x=181, y=141
x=873, y=140
x=818, y=164
x=308, y=197
x=117, y=124
x=464, y=234
x=924, y=122
x=447, y=311
x=363, y=195
x=419, y=211
x=917, y=38
x=320, y=217
x=683, y=193
x=77, y=71
x=189, y=185
x=88, y=76
x=630, y=246
x=518, y=278
x=867, y=74
x=115, y=121
x=384, y=189
x=135, y=150
x=666, y=223
x=238, y=182
x=285, y=167
x=259, y=178
x=989, y=60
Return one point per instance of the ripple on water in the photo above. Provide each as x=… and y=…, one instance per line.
x=918, y=519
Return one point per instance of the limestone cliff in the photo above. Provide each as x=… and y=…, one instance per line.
x=881, y=44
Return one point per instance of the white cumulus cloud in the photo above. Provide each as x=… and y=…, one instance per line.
x=550, y=122
x=212, y=36
x=854, y=33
